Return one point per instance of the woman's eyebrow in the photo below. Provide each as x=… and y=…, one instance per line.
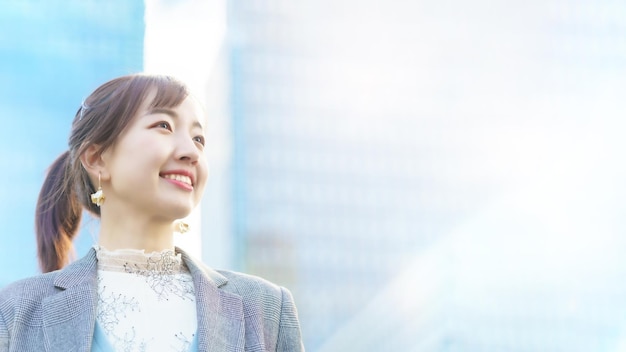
x=173, y=115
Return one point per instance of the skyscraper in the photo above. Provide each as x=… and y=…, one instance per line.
x=416, y=172
x=327, y=190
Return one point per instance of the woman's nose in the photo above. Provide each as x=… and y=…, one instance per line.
x=187, y=149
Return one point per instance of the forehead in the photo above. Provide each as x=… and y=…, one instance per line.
x=188, y=109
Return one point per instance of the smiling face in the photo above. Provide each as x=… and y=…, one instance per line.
x=157, y=167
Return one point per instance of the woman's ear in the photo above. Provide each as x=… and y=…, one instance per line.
x=92, y=162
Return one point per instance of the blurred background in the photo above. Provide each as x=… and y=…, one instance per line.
x=422, y=175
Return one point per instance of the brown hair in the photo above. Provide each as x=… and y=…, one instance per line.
x=67, y=188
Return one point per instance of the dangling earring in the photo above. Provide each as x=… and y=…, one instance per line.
x=181, y=226
x=98, y=197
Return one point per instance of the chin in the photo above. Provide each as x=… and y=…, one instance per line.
x=182, y=214
x=178, y=212
x=175, y=207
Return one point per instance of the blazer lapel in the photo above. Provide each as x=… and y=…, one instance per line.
x=220, y=313
x=69, y=315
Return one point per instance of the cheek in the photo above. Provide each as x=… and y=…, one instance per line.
x=139, y=159
x=203, y=173
x=146, y=150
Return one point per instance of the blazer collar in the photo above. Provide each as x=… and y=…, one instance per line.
x=70, y=315
x=220, y=313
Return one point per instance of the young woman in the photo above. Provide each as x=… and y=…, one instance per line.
x=136, y=161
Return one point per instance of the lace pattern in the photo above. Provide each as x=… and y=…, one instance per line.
x=146, y=301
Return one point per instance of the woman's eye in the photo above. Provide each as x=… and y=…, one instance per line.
x=164, y=125
x=199, y=139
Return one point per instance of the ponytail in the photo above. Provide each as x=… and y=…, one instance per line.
x=57, y=216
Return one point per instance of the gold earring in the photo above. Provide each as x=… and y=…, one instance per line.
x=98, y=197
x=181, y=226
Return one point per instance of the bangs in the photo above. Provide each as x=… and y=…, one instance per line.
x=169, y=92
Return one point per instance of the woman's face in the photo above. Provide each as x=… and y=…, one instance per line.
x=157, y=167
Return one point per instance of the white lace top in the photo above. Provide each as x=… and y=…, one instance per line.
x=146, y=302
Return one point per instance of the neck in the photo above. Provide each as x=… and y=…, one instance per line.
x=131, y=233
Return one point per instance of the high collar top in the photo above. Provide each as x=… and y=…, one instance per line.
x=136, y=261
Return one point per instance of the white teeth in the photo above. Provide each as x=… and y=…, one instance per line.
x=180, y=178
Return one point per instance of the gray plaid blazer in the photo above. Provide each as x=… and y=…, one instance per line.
x=236, y=312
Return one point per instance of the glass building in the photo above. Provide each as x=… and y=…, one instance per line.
x=431, y=176
x=331, y=195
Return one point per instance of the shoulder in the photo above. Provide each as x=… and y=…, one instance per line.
x=29, y=287
x=251, y=287
x=264, y=298
x=80, y=271
x=259, y=295
x=25, y=294
x=271, y=303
